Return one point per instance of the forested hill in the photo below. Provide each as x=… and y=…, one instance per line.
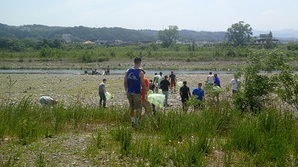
x=81, y=33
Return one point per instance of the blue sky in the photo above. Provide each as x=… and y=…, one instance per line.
x=209, y=15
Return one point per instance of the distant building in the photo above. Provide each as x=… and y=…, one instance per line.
x=88, y=42
x=158, y=42
x=263, y=38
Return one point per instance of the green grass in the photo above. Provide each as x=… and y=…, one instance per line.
x=98, y=54
x=172, y=138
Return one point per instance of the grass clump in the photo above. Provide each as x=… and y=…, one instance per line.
x=174, y=138
x=124, y=136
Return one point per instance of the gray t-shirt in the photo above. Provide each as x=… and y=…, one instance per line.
x=101, y=88
x=46, y=100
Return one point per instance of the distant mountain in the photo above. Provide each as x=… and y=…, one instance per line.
x=81, y=33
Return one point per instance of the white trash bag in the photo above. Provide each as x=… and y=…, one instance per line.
x=108, y=95
x=156, y=99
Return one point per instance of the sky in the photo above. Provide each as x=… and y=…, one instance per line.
x=198, y=15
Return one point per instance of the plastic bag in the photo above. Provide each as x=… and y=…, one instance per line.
x=217, y=89
x=149, y=92
x=180, y=83
x=159, y=91
x=156, y=99
x=108, y=95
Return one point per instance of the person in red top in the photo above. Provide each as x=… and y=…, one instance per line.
x=173, y=81
x=145, y=103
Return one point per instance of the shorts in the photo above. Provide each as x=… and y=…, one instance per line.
x=184, y=99
x=135, y=101
x=173, y=83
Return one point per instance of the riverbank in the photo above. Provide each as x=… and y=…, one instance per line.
x=82, y=89
x=122, y=64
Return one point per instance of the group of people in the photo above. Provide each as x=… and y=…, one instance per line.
x=136, y=86
x=162, y=83
x=185, y=95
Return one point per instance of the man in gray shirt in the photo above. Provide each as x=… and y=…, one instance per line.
x=101, y=92
x=47, y=101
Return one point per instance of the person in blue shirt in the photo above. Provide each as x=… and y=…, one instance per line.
x=216, y=83
x=216, y=80
x=133, y=82
x=199, y=93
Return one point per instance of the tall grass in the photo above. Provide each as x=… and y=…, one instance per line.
x=124, y=136
x=175, y=138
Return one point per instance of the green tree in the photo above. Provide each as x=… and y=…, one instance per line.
x=269, y=42
x=256, y=86
x=168, y=36
x=288, y=86
x=239, y=33
x=261, y=84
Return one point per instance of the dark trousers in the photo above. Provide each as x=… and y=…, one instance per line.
x=184, y=104
x=102, y=100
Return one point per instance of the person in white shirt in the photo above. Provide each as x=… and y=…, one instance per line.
x=47, y=100
x=160, y=78
x=102, y=93
x=210, y=78
x=234, y=84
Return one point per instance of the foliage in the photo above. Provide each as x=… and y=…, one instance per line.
x=245, y=136
x=21, y=45
x=189, y=35
x=245, y=139
x=264, y=137
x=103, y=35
x=124, y=136
x=168, y=36
x=269, y=44
x=287, y=88
x=292, y=46
x=258, y=81
x=56, y=50
x=239, y=34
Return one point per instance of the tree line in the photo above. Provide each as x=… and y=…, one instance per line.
x=81, y=33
